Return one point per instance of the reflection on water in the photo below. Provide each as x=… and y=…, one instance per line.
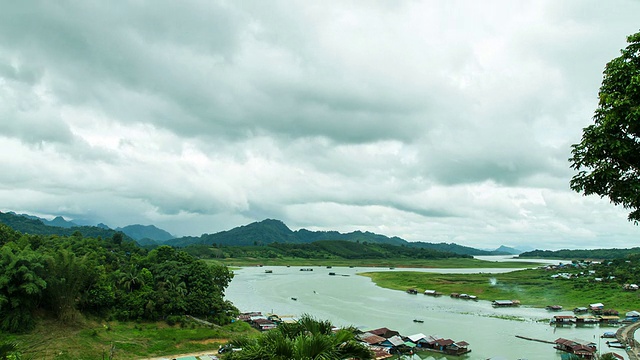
x=355, y=300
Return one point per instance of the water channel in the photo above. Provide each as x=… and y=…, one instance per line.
x=349, y=299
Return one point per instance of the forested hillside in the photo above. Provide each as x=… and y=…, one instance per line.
x=329, y=249
x=271, y=231
x=68, y=276
x=34, y=226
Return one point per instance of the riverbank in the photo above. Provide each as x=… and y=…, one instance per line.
x=400, y=263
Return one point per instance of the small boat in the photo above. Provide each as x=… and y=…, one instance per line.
x=268, y=271
x=332, y=273
x=294, y=299
x=418, y=321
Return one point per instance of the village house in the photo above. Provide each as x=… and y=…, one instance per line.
x=384, y=332
x=581, y=348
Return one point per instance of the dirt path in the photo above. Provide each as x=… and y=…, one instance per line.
x=211, y=353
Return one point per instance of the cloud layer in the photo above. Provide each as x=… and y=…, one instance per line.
x=433, y=121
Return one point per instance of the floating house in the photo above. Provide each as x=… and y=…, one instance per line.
x=447, y=346
x=563, y=320
x=432, y=293
x=505, y=303
x=581, y=348
x=586, y=320
x=384, y=332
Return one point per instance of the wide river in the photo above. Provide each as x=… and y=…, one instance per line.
x=349, y=299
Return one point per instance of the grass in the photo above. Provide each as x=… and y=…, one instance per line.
x=397, y=263
x=93, y=339
x=533, y=287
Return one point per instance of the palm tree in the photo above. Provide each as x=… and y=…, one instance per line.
x=607, y=356
x=305, y=340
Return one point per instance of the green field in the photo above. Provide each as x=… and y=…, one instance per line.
x=533, y=287
x=91, y=339
x=450, y=263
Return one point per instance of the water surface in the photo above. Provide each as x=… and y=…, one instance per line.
x=349, y=299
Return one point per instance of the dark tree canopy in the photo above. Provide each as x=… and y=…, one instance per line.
x=608, y=157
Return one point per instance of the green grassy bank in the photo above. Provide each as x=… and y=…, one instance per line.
x=93, y=339
x=533, y=287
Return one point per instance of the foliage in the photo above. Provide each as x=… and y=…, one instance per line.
x=608, y=157
x=68, y=276
x=9, y=351
x=307, y=339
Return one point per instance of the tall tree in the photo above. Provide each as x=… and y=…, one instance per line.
x=608, y=157
x=21, y=287
x=67, y=277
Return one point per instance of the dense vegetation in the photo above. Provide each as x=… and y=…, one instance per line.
x=307, y=339
x=595, y=254
x=607, y=159
x=69, y=276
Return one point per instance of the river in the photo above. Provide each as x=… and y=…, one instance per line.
x=348, y=299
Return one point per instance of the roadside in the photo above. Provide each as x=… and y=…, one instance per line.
x=626, y=336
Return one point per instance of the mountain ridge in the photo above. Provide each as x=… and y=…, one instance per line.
x=263, y=232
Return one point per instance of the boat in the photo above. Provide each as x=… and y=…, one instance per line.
x=554, y=307
x=332, y=273
x=268, y=271
x=418, y=321
x=294, y=299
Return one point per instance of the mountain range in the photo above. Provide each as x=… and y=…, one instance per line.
x=257, y=233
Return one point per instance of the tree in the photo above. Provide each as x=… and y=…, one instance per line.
x=21, y=288
x=608, y=157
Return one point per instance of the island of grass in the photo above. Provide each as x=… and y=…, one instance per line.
x=532, y=287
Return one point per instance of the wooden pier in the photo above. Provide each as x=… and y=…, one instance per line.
x=538, y=340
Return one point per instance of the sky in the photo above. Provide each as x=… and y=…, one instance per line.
x=438, y=121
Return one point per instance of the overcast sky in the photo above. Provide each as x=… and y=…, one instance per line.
x=437, y=121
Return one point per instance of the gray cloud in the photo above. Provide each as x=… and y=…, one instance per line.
x=427, y=120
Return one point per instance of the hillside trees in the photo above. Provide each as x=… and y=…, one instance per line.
x=68, y=276
x=21, y=287
x=608, y=157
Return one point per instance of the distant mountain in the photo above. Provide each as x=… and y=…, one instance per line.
x=35, y=226
x=454, y=248
x=140, y=232
x=275, y=231
x=58, y=221
x=508, y=250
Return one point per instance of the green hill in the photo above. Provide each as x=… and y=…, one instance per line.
x=29, y=225
x=271, y=231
